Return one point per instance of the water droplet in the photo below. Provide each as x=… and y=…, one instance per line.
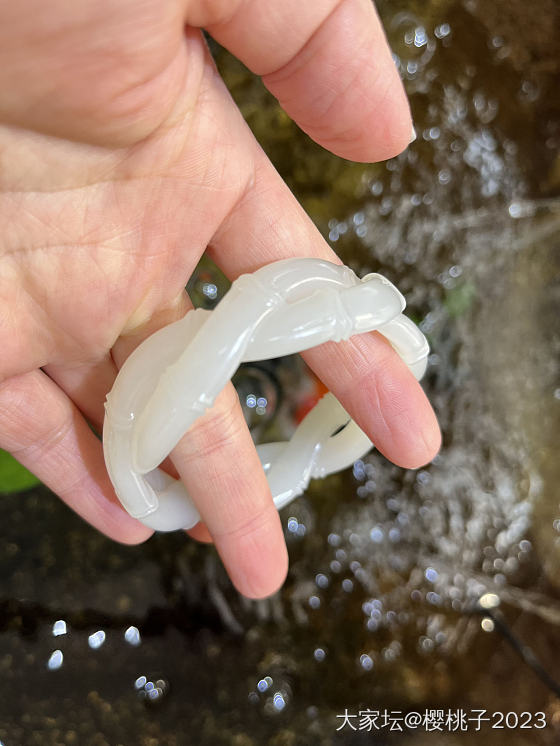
x=210, y=290
x=489, y=601
x=264, y=684
x=321, y=580
x=292, y=525
x=319, y=654
x=487, y=624
x=443, y=30
x=59, y=628
x=431, y=574
x=132, y=636
x=55, y=661
x=366, y=662
x=97, y=639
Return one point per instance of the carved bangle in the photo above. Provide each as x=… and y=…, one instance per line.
x=174, y=376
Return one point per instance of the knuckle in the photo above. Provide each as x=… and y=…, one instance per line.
x=45, y=440
x=219, y=428
x=25, y=428
x=245, y=525
x=369, y=362
x=12, y=397
x=14, y=429
x=214, y=12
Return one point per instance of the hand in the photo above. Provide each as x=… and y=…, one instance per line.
x=122, y=159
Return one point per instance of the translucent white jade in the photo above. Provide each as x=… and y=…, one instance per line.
x=173, y=377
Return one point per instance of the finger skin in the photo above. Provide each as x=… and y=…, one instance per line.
x=200, y=533
x=220, y=468
x=44, y=430
x=381, y=395
x=97, y=72
x=327, y=62
x=87, y=385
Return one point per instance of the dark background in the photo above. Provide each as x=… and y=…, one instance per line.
x=388, y=567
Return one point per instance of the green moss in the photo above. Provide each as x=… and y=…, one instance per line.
x=13, y=476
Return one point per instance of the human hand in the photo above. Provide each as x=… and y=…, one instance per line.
x=122, y=159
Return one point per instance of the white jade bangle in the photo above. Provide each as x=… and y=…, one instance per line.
x=174, y=376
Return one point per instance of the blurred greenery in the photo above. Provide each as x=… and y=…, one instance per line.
x=13, y=476
x=459, y=300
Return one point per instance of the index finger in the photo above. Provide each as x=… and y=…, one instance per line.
x=327, y=62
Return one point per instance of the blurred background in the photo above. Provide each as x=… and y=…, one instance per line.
x=408, y=590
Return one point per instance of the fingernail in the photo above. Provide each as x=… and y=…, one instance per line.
x=413, y=136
